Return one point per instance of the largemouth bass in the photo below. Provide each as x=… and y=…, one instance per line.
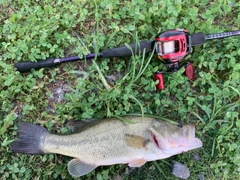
x=108, y=141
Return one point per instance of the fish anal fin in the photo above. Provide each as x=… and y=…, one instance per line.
x=78, y=168
x=136, y=141
x=137, y=163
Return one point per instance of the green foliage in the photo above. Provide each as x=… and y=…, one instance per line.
x=105, y=87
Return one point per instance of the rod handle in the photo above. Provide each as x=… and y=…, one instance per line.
x=197, y=39
x=124, y=51
x=27, y=66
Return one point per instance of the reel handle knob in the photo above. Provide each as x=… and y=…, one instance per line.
x=189, y=71
x=159, y=76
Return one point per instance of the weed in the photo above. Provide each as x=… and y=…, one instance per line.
x=113, y=87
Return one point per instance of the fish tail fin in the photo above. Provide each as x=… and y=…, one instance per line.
x=29, y=139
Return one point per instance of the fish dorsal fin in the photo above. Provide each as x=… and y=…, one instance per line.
x=78, y=168
x=78, y=125
x=137, y=163
x=136, y=141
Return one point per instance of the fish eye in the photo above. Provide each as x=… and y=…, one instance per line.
x=180, y=125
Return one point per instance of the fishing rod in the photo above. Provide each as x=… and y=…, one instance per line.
x=171, y=47
x=122, y=51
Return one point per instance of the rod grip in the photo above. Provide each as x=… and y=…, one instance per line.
x=125, y=51
x=197, y=39
x=27, y=66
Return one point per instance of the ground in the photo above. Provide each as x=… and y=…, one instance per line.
x=102, y=88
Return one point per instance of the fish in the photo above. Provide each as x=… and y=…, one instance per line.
x=108, y=141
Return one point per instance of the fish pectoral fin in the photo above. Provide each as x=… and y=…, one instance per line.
x=136, y=141
x=137, y=163
x=78, y=168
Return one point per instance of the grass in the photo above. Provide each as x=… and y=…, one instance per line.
x=42, y=29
